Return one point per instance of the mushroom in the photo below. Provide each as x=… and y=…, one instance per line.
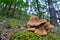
x=34, y=21
x=47, y=25
x=38, y=26
x=41, y=31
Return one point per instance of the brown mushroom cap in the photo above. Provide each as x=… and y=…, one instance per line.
x=34, y=21
x=48, y=25
x=42, y=20
x=34, y=18
x=31, y=29
x=41, y=31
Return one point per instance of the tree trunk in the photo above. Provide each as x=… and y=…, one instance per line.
x=8, y=8
x=13, y=11
x=0, y=10
x=39, y=15
x=53, y=17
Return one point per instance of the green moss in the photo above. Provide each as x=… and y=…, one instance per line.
x=25, y=35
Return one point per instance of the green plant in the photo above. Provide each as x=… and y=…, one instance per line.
x=12, y=22
x=57, y=31
x=1, y=17
x=25, y=35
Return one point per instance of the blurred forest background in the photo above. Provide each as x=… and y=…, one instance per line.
x=14, y=14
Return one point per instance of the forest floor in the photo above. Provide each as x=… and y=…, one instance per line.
x=13, y=26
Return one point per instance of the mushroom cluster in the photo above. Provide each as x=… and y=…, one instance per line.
x=38, y=26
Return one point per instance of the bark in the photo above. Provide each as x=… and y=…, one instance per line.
x=3, y=13
x=0, y=10
x=39, y=15
x=8, y=8
x=53, y=17
x=13, y=11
